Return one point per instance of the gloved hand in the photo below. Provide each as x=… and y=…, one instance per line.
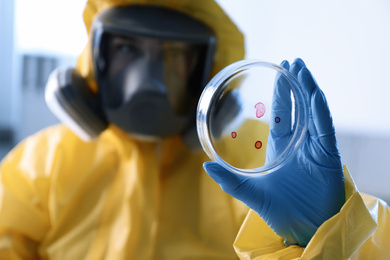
x=296, y=199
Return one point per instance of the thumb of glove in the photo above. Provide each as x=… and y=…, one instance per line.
x=239, y=186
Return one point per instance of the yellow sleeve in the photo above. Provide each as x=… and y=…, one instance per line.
x=23, y=199
x=358, y=231
x=14, y=246
x=377, y=245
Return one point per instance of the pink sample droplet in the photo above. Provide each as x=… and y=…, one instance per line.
x=234, y=135
x=260, y=109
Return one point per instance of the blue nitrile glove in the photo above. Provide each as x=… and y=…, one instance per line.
x=296, y=199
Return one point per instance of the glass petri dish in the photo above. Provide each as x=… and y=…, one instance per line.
x=250, y=107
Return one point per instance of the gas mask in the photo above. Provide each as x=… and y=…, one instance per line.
x=150, y=65
x=149, y=87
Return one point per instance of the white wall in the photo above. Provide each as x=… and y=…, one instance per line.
x=44, y=28
x=7, y=74
x=51, y=26
x=346, y=44
x=6, y=60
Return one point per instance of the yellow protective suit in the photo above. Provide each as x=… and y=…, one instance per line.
x=116, y=197
x=119, y=198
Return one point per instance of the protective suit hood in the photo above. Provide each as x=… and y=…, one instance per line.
x=230, y=41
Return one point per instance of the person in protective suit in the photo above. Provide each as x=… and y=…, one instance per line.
x=123, y=178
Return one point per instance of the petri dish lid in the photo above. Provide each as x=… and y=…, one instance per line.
x=237, y=109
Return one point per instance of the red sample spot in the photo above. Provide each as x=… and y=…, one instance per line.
x=258, y=144
x=260, y=109
x=234, y=135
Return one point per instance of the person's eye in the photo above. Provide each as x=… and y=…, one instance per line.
x=174, y=52
x=127, y=48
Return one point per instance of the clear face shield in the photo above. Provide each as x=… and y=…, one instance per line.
x=150, y=78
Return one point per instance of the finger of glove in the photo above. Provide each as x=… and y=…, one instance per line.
x=281, y=105
x=323, y=122
x=308, y=85
x=230, y=182
x=295, y=67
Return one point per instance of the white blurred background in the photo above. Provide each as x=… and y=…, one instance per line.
x=346, y=45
